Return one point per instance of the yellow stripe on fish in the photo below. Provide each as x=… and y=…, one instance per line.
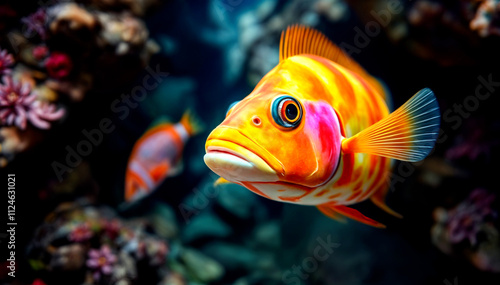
x=316, y=130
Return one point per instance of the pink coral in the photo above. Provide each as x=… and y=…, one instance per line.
x=81, y=232
x=101, y=261
x=40, y=52
x=59, y=65
x=18, y=105
x=38, y=281
x=6, y=61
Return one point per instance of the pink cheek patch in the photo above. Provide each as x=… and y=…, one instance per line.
x=323, y=128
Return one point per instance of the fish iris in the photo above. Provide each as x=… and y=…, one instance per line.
x=286, y=111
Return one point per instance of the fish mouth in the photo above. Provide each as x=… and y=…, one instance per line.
x=237, y=158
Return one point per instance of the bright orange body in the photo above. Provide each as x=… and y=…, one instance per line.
x=357, y=103
x=316, y=130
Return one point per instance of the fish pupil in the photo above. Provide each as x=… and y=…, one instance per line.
x=291, y=111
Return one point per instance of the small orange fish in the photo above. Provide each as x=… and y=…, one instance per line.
x=316, y=130
x=156, y=156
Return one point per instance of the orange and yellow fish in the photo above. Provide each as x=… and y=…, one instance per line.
x=157, y=155
x=316, y=130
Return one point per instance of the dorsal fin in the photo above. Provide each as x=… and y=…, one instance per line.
x=298, y=39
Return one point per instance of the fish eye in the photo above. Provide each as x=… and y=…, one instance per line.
x=231, y=107
x=286, y=111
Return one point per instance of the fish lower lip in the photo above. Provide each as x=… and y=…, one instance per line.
x=232, y=138
x=234, y=162
x=215, y=149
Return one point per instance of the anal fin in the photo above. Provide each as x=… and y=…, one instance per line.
x=329, y=212
x=333, y=210
x=378, y=198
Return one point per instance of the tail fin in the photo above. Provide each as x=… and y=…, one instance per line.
x=192, y=124
x=407, y=134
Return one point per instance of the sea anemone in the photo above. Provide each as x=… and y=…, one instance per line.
x=58, y=65
x=18, y=105
x=43, y=112
x=101, y=261
x=6, y=60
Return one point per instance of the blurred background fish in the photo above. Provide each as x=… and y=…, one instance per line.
x=157, y=155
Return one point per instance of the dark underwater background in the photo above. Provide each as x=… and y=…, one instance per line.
x=215, y=51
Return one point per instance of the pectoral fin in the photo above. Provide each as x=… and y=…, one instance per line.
x=221, y=181
x=333, y=212
x=407, y=134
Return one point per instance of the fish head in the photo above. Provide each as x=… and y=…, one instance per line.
x=278, y=137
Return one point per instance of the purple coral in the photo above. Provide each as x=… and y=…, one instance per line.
x=18, y=105
x=101, y=261
x=6, y=61
x=464, y=222
x=36, y=23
